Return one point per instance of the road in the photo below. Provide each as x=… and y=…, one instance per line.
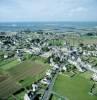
x=48, y=92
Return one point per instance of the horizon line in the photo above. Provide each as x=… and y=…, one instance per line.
x=41, y=21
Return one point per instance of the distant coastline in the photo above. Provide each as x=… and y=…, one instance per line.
x=55, y=26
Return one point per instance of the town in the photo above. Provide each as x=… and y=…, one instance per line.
x=40, y=66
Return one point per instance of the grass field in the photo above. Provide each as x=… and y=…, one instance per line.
x=87, y=75
x=75, y=40
x=75, y=88
x=10, y=64
x=56, y=42
x=21, y=75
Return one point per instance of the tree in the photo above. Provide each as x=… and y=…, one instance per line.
x=81, y=44
x=45, y=49
x=90, y=34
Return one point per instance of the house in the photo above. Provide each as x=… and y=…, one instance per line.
x=46, y=54
x=84, y=53
x=73, y=57
x=5, y=56
x=64, y=68
x=51, y=60
x=48, y=73
x=56, y=66
x=94, y=77
x=34, y=87
x=27, y=51
x=35, y=50
x=45, y=81
x=76, y=64
x=79, y=60
x=26, y=97
x=64, y=49
x=19, y=59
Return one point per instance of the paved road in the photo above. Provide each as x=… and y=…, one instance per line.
x=47, y=93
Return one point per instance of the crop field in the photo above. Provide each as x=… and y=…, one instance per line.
x=21, y=75
x=75, y=88
x=7, y=87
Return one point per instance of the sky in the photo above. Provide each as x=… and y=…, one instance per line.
x=48, y=10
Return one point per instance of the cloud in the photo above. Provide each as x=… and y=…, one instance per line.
x=36, y=10
x=78, y=9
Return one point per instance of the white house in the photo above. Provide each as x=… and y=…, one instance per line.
x=5, y=56
x=35, y=49
x=76, y=65
x=64, y=68
x=48, y=73
x=34, y=87
x=27, y=51
x=45, y=81
x=52, y=64
x=19, y=59
x=56, y=66
x=94, y=77
x=64, y=49
x=26, y=97
x=51, y=60
x=79, y=60
x=73, y=58
x=46, y=54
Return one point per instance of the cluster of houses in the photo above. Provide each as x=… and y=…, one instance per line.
x=50, y=73
x=46, y=80
x=59, y=56
x=90, y=53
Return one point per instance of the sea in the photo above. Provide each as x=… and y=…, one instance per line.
x=45, y=26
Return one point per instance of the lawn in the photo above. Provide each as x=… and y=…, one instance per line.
x=75, y=88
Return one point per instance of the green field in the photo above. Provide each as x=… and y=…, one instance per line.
x=9, y=64
x=13, y=78
x=56, y=42
x=75, y=40
x=75, y=88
